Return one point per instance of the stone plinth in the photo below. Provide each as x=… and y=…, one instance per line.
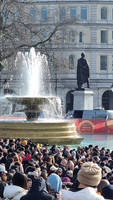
x=83, y=99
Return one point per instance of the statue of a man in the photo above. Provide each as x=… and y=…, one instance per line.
x=82, y=71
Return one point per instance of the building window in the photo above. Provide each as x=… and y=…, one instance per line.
x=33, y=37
x=104, y=37
x=71, y=62
x=104, y=13
x=103, y=62
x=112, y=13
x=33, y=12
x=73, y=13
x=44, y=34
x=62, y=14
x=112, y=63
x=5, y=13
x=80, y=37
x=72, y=36
x=112, y=36
x=16, y=14
x=84, y=13
x=44, y=13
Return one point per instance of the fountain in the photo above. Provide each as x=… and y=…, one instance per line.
x=37, y=100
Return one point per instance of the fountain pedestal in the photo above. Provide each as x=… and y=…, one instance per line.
x=83, y=99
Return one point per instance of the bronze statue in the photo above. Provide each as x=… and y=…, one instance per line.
x=82, y=72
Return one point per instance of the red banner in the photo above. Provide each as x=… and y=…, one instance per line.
x=110, y=126
x=91, y=126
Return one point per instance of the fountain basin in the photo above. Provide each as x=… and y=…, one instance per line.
x=41, y=131
x=27, y=100
x=35, y=105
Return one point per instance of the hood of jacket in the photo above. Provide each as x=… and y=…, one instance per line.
x=38, y=184
x=55, y=182
x=89, y=194
x=14, y=192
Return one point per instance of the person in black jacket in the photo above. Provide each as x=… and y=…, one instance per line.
x=3, y=181
x=38, y=191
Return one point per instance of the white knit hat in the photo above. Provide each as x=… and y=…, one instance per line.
x=89, y=174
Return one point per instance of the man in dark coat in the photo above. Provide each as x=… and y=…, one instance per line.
x=38, y=191
x=82, y=72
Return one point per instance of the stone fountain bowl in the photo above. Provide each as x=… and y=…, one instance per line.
x=27, y=100
x=36, y=105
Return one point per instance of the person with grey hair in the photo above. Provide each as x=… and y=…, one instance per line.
x=89, y=176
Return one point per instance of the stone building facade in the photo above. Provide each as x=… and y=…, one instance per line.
x=88, y=28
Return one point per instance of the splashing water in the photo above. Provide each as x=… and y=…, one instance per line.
x=35, y=77
x=35, y=73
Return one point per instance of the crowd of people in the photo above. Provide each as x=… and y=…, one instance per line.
x=29, y=171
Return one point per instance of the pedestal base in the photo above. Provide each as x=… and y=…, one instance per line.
x=83, y=99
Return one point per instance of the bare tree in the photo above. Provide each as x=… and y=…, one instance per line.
x=19, y=32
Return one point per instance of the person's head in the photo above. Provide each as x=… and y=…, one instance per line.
x=44, y=174
x=70, y=165
x=17, y=164
x=82, y=55
x=103, y=183
x=38, y=184
x=29, y=169
x=66, y=179
x=46, y=146
x=24, y=142
x=59, y=171
x=29, y=183
x=3, y=176
x=105, y=171
x=3, y=173
x=32, y=172
x=69, y=173
x=89, y=174
x=64, y=162
x=55, y=182
x=53, y=169
x=20, y=179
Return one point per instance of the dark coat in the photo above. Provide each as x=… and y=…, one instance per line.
x=38, y=191
x=2, y=186
x=82, y=71
x=107, y=192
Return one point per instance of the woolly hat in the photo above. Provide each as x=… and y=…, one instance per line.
x=66, y=179
x=89, y=174
x=53, y=168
